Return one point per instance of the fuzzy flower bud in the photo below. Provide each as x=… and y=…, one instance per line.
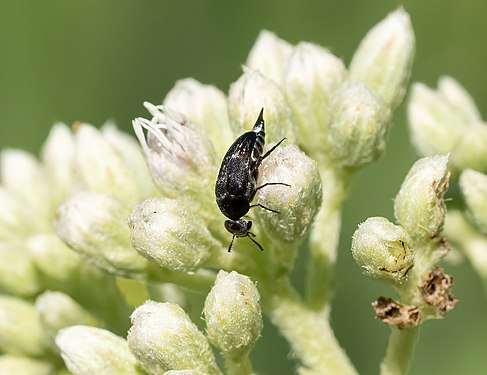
x=419, y=206
x=184, y=372
x=298, y=203
x=163, y=338
x=471, y=150
x=269, y=55
x=18, y=275
x=381, y=250
x=232, y=313
x=459, y=99
x=474, y=190
x=251, y=92
x=14, y=222
x=359, y=122
x=15, y=365
x=179, y=155
x=384, y=57
x=312, y=77
x=89, y=350
x=169, y=233
x=206, y=106
x=94, y=224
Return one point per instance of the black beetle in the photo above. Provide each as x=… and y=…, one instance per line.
x=236, y=184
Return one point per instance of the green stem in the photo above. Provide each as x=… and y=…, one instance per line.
x=199, y=281
x=238, y=366
x=399, y=351
x=307, y=331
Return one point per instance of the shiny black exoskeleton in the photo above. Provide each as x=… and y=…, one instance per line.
x=236, y=184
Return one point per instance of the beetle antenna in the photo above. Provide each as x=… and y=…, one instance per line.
x=254, y=241
x=231, y=244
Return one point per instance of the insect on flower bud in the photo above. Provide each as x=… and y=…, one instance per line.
x=298, y=203
x=89, y=350
x=163, y=338
x=381, y=250
x=419, y=206
x=232, y=313
x=167, y=232
x=359, y=122
x=474, y=189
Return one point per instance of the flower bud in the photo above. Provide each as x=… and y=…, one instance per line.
x=312, y=77
x=18, y=275
x=381, y=250
x=21, y=332
x=169, y=233
x=232, y=313
x=297, y=204
x=89, y=350
x=474, y=189
x=15, y=365
x=459, y=99
x=359, y=122
x=163, y=338
x=94, y=224
x=184, y=372
x=206, y=106
x=269, y=55
x=419, y=206
x=14, y=221
x=179, y=155
x=471, y=151
x=251, y=92
x=384, y=57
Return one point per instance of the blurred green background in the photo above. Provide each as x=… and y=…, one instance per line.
x=95, y=60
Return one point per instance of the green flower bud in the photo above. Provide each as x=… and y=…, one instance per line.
x=312, y=77
x=94, y=224
x=232, y=313
x=381, y=250
x=298, y=203
x=206, y=106
x=18, y=275
x=17, y=365
x=384, y=57
x=163, y=338
x=251, y=92
x=269, y=55
x=21, y=331
x=169, y=233
x=89, y=350
x=419, y=206
x=474, y=190
x=359, y=122
x=471, y=151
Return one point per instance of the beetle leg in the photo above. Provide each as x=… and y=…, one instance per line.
x=264, y=207
x=271, y=183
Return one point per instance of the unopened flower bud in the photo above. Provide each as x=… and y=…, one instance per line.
x=89, y=350
x=359, y=123
x=233, y=315
x=18, y=275
x=95, y=225
x=251, y=92
x=384, y=57
x=169, y=233
x=296, y=204
x=269, y=55
x=471, y=151
x=16, y=365
x=474, y=190
x=14, y=221
x=312, y=77
x=184, y=372
x=163, y=338
x=381, y=250
x=419, y=206
x=459, y=99
x=206, y=106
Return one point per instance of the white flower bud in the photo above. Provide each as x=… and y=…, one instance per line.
x=94, y=224
x=179, y=155
x=359, y=122
x=269, y=55
x=21, y=332
x=419, y=206
x=471, y=150
x=474, y=190
x=18, y=365
x=251, y=92
x=312, y=77
x=89, y=350
x=381, y=250
x=298, y=203
x=206, y=106
x=232, y=313
x=18, y=275
x=14, y=218
x=384, y=57
x=169, y=233
x=459, y=99
x=163, y=338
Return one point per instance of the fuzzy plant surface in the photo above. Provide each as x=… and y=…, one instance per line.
x=119, y=228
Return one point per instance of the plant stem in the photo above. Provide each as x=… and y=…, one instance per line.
x=199, y=281
x=399, y=351
x=238, y=366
